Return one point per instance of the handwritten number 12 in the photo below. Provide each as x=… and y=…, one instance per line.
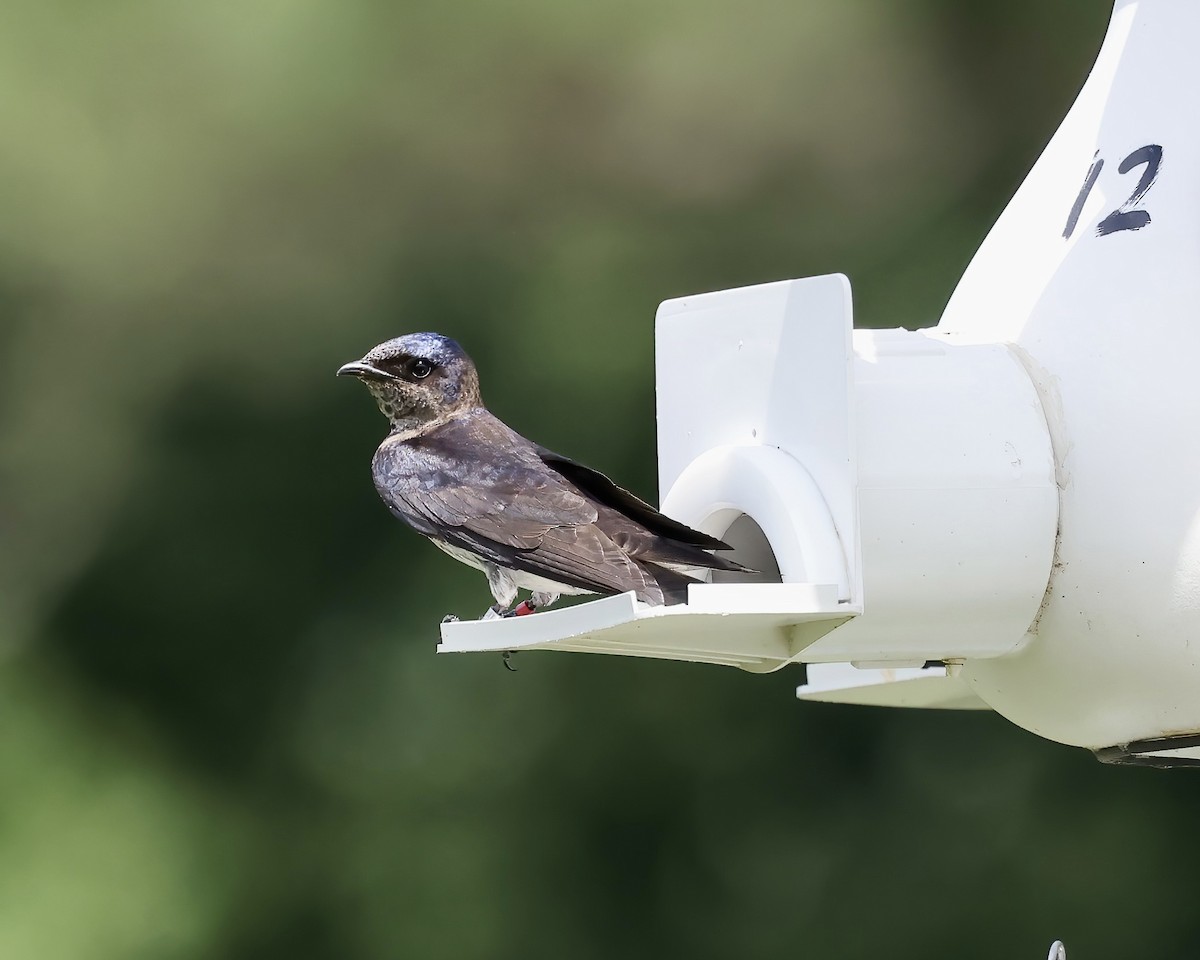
x=1123, y=218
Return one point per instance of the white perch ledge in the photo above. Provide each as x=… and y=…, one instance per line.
x=775, y=622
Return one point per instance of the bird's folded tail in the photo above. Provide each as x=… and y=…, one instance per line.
x=672, y=583
x=665, y=553
x=662, y=552
x=717, y=562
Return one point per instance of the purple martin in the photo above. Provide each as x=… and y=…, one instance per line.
x=527, y=517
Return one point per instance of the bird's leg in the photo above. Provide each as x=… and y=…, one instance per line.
x=504, y=591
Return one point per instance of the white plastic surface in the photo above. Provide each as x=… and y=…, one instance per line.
x=770, y=486
x=917, y=686
x=1106, y=321
x=958, y=505
x=948, y=476
x=1178, y=753
x=766, y=368
x=758, y=627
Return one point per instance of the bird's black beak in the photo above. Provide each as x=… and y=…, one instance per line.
x=364, y=371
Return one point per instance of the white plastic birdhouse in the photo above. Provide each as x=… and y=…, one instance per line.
x=1002, y=511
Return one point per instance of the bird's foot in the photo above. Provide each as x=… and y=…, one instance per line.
x=497, y=612
x=507, y=656
x=449, y=618
x=542, y=598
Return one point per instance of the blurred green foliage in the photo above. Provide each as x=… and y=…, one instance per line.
x=223, y=729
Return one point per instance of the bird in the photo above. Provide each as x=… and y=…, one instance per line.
x=527, y=517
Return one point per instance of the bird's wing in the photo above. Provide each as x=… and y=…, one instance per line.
x=506, y=502
x=583, y=556
x=643, y=533
x=506, y=507
x=608, y=493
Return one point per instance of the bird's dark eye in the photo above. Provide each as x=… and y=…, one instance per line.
x=421, y=368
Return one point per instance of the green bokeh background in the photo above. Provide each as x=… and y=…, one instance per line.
x=223, y=729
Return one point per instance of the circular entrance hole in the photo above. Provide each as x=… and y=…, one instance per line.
x=751, y=549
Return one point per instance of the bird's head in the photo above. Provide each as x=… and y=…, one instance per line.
x=417, y=379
